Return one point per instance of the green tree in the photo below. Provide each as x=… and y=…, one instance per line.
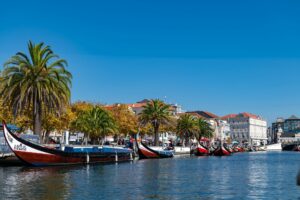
x=187, y=127
x=95, y=123
x=155, y=112
x=204, y=129
x=38, y=82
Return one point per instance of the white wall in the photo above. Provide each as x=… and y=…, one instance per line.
x=248, y=129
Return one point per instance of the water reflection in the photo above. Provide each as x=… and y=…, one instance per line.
x=247, y=175
x=257, y=173
x=36, y=183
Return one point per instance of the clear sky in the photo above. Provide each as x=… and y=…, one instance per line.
x=220, y=56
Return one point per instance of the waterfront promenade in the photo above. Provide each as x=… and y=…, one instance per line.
x=257, y=175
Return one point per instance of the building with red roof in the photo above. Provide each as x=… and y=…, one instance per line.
x=204, y=114
x=226, y=117
x=247, y=127
x=138, y=107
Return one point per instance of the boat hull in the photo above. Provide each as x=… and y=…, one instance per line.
x=146, y=152
x=36, y=155
x=221, y=151
x=297, y=148
x=238, y=149
x=201, y=151
x=37, y=159
x=289, y=147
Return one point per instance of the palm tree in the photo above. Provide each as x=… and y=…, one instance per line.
x=38, y=82
x=187, y=126
x=155, y=112
x=95, y=123
x=204, y=129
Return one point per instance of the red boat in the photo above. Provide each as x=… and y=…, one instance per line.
x=146, y=152
x=238, y=149
x=221, y=151
x=201, y=150
x=297, y=148
x=37, y=155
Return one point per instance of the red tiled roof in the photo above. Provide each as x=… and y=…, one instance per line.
x=205, y=114
x=229, y=116
x=193, y=113
x=110, y=107
x=211, y=114
x=250, y=115
x=136, y=105
x=245, y=114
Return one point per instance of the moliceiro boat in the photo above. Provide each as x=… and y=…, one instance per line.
x=238, y=149
x=146, y=152
x=201, y=150
x=221, y=150
x=36, y=155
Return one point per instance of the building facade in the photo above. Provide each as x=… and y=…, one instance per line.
x=247, y=128
x=224, y=130
x=287, y=130
x=276, y=131
x=291, y=125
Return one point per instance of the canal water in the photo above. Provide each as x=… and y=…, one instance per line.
x=259, y=175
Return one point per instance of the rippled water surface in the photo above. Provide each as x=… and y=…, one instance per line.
x=263, y=175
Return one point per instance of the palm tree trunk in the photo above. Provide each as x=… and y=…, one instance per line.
x=37, y=117
x=156, y=137
x=38, y=125
x=46, y=137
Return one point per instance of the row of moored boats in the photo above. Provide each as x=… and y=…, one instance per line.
x=38, y=155
x=145, y=151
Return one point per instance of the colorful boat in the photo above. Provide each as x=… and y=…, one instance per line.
x=238, y=149
x=201, y=150
x=146, y=152
x=221, y=151
x=297, y=148
x=36, y=155
x=289, y=147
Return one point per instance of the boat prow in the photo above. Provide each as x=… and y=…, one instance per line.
x=37, y=155
x=146, y=152
x=221, y=151
x=201, y=150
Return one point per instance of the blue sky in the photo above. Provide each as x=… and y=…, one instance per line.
x=220, y=56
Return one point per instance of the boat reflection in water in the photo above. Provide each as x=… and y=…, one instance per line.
x=36, y=183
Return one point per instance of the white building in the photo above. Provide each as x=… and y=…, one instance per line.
x=246, y=127
x=223, y=128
